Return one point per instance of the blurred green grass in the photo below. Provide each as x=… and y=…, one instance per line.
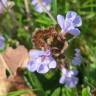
x=21, y=31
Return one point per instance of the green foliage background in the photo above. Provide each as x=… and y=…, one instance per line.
x=17, y=27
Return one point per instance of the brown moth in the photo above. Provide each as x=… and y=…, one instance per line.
x=39, y=37
x=50, y=38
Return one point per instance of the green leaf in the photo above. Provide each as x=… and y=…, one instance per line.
x=68, y=92
x=54, y=6
x=35, y=83
x=19, y=92
x=44, y=20
x=86, y=91
x=56, y=92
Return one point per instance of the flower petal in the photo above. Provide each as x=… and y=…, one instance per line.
x=48, y=7
x=62, y=80
x=2, y=40
x=71, y=82
x=76, y=61
x=39, y=8
x=72, y=73
x=60, y=20
x=32, y=66
x=77, y=21
x=4, y=2
x=74, y=32
x=68, y=25
x=34, y=2
x=36, y=53
x=46, y=60
x=42, y=61
x=52, y=64
x=77, y=50
x=71, y=15
x=47, y=4
x=47, y=1
x=64, y=71
x=43, y=68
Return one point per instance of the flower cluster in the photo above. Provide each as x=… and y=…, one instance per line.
x=69, y=77
x=70, y=23
x=41, y=61
x=2, y=42
x=41, y=4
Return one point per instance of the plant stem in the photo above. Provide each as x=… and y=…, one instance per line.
x=27, y=9
x=49, y=14
x=70, y=40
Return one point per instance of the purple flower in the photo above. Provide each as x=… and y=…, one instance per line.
x=3, y=3
x=41, y=61
x=2, y=42
x=41, y=4
x=68, y=78
x=78, y=58
x=70, y=23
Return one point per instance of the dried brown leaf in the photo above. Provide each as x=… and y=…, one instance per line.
x=5, y=87
x=15, y=58
x=2, y=68
x=20, y=83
